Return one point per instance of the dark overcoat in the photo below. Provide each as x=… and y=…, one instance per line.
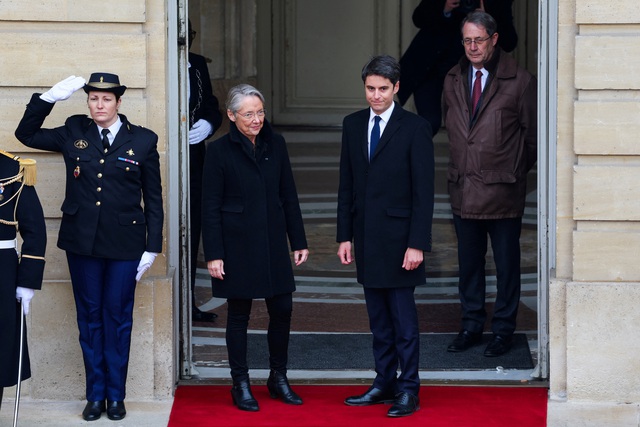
x=386, y=206
x=18, y=204
x=102, y=215
x=249, y=209
x=491, y=152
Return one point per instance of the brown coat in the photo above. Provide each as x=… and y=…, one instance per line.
x=490, y=153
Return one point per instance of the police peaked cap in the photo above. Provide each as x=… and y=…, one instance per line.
x=104, y=82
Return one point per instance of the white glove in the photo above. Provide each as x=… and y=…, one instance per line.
x=145, y=262
x=63, y=90
x=24, y=295
x=200, y=131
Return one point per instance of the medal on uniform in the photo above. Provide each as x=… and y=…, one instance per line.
x=130, y=152
x=76, y=172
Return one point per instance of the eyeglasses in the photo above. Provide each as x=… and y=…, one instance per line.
x=250, y=115
x=478, y=41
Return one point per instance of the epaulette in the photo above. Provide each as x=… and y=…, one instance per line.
x=29, y=172
x=27, y=168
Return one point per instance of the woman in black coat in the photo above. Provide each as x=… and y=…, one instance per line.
x=249, y=209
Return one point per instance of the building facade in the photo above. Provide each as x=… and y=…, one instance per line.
x=589, y=212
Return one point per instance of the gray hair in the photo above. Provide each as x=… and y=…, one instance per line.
x=238, y=93
x=481, y=19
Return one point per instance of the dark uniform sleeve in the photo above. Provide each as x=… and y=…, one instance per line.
x=33, y=231
x=210, y=108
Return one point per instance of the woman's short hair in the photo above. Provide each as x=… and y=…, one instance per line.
x=238, y=93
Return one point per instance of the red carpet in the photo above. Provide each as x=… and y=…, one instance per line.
x=441, y=406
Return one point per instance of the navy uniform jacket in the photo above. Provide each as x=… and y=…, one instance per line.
x=386, y=206
x=18, y=204
x=202, y=102
x=102, y=215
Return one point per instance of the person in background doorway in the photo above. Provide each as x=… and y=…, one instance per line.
x=249, y=209
x=436, y=48
x=490, y=109
x=204, y=119
x=111, y=228
x=385, y=206
x=20, y=212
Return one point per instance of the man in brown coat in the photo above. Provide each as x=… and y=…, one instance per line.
x=490, y=115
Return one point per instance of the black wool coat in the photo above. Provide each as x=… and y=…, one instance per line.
x=250, y=209
x=386, y=205
x=25, y=271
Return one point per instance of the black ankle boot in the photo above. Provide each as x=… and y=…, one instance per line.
x=279, y=387
x=242, y=397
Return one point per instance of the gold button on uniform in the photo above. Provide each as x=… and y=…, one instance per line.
x=99, y=175
x=127, y=168
x=99, y=189
x=134, y=221
x=97, y=203
x=101, y=161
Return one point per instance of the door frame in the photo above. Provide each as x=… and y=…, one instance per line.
x=178, y=165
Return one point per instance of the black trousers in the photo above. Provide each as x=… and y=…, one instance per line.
x=279, y=308
x=472, y=250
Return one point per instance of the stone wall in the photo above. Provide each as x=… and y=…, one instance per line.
x=594, y=299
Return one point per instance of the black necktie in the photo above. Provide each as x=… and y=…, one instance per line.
x=105, y=139
x=375, y=137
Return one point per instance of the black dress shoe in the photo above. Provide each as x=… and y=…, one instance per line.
x=464, y=340
x=115, y=410
x=370, y=397
x=242, y=396
x=405, y=404
x=198, y=315
x=499, y=345
x=93, y=410
x=279, y=387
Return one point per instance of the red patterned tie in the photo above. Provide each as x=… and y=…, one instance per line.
x=477, y=90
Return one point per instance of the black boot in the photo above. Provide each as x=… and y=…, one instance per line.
x=242, y=397
x=279, y=387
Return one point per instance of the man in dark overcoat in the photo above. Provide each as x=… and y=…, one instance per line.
x=385, y=206
x=20, y=211
x=492, y=147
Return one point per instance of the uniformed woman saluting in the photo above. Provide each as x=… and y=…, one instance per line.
x=110, y=239
x=20, y=210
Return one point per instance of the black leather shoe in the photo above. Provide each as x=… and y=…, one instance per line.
x=198, y=315
x=499, y=345
x=279, y=387
x=93, y=410
x=464, y=340
x=404, y=405
x=370, y=397
x=115, y=410
x=242, y=396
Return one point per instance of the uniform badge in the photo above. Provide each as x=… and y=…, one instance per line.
x=76, y=172
x=130, y=152
x=81, y=144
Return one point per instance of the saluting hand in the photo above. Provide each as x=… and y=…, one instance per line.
x=63, y=90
